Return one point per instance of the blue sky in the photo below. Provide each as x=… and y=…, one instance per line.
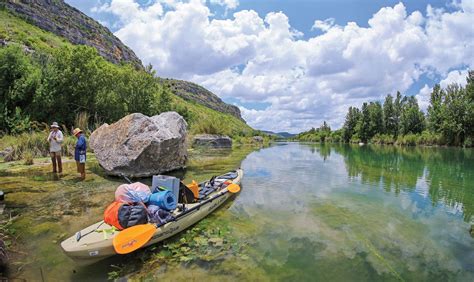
x=290, y=65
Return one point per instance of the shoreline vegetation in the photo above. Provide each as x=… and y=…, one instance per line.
x=449, y=120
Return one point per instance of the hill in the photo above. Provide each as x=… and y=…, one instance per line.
x=279, y=134
x=49, y=68
x=192, y=92
x=68, y=22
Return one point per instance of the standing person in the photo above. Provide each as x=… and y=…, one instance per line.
x=55, y=139
x=80, y=152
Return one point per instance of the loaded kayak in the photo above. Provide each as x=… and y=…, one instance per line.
x=95, y=242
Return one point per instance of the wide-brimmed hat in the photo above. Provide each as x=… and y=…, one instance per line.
x=76, y=131
x=55, y=124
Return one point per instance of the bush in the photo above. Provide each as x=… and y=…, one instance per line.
x=407, y=140
x=383, y=139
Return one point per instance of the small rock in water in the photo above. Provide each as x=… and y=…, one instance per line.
x=212, y=141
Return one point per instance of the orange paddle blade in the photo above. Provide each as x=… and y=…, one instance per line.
x=132, y=238
x=233, y=188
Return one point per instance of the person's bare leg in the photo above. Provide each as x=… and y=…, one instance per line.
x=53, y=160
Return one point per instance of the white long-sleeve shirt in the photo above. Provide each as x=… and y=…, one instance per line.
x=55, y=145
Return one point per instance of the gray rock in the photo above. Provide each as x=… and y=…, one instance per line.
x=139, y=146
x=212, y=141
x=6, y=151
x=257, y=139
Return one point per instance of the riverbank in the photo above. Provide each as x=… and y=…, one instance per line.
x=43, y=208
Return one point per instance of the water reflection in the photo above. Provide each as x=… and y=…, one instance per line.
x=319, y=212
x=445, y=175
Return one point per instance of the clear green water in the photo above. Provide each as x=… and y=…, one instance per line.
x=306, y=212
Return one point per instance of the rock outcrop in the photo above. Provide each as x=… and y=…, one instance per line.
x=68, y=22
x=192, y=92
x=139, y=146
x=212, y=141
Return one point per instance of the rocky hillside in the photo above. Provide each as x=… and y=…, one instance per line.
x=68, y=22
x=59, y=18
x=192, y=92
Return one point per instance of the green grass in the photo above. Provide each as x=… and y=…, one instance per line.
x=17, y=30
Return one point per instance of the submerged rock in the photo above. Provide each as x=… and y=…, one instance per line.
x=138, y=145
x=213, y=141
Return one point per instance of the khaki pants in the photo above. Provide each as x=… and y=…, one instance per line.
x=56, y=160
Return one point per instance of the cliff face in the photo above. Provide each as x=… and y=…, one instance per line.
x=193, y=92
x=61, y=19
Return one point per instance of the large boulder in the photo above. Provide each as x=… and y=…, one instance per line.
x=139, y=146
x=212, y=141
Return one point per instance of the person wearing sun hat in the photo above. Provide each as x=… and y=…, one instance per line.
x=80, y=152
x=55, y=139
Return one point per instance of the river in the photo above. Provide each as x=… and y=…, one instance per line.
x=306, y=212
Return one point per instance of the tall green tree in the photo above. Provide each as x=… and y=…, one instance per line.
x=376, y=118
x=363, y=125
x=350, y=123
x=457, y=115
x=389, y=118
x=412, y=119
x=398, y=106
x=435, y=109
x=19, y=81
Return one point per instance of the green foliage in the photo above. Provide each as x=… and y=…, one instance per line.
x=412, y=120
x=349, y=128
x=389, y=118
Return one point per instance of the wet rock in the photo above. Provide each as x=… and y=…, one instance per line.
x=212, y=141
x=257, y=139
x=139, y=146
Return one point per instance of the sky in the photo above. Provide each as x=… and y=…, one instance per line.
x=289, y=65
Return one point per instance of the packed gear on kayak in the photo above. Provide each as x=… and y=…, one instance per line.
x=163, y=199
x=100, y=240
x=132, y=193
x=122, y=215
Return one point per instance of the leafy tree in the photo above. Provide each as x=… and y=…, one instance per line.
x=398, y=106
x=457, y=115
x=389, y=117
x=350, y=123
x=435, y=115
x=363, y=126
x=412, y=119
x=376, y=118
x=19, y=80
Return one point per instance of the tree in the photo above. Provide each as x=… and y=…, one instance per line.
x=435, y=116
x=350, y=123
x=376, y=119
x=412, y=120
x=19, y=80
x=324, y=132
x=457, y=115
x=389, y=118
x=398, y=106
x=363, y=126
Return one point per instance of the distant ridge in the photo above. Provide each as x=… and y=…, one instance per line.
x=279, y=134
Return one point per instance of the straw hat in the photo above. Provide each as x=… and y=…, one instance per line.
x=54, y=125
x=76, y=131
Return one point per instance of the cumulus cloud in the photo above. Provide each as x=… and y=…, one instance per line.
x=306, y=81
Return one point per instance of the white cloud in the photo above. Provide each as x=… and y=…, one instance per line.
x=306, y=81
x=323, y=25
